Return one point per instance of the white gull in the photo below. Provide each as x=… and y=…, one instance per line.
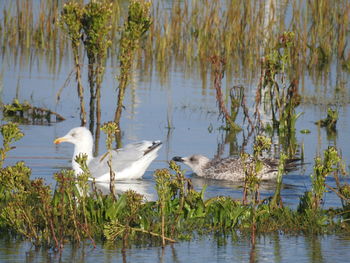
x=129, y=162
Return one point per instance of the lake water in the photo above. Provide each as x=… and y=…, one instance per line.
x=272, y=248
x=189, y=103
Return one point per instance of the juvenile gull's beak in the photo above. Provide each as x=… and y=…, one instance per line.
x=59, y=140
x=178, y=159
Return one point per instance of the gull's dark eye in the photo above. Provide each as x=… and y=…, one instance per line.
x=192, y=159
x=74, y=134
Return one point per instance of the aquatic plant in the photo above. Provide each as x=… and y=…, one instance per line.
x=330, y=122
x=273, y=89
x=96, y=27
x=110, y=128
x=218, y=65
x=90, y=24
x=135, y=26
x=71, y=23
x=10, y=133
x=276, y=200
x=27, y=113
x=322, y=168
x=276, y=95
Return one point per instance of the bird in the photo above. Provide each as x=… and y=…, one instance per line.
x=231, y=168
x=128, y=163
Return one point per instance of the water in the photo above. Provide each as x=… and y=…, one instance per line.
x=193, y=110
x=190, y=105
x=272, y=248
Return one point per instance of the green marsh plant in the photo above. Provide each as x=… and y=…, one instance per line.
x=330, y=163
x=274, y=93
x=330, y=122
x=71, y=23
x=90, y=24
x=274, y=90
x=97, y=39
x=110, y=128
x=10, y=134
x=135, y=26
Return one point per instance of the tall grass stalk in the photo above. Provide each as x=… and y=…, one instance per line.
x=136, y=25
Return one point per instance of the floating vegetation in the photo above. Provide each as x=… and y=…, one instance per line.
x=305, y=131
x=26, y=113
x=73, y=213
x=330, y=122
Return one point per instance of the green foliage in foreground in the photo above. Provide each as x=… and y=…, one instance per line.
x=73, y=212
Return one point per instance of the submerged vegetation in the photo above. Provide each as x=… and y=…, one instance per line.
x=71, y=212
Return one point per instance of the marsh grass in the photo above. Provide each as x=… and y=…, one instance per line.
x=198, y=30
x=193, y=31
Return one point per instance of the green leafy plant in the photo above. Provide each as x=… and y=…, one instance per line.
x=135, y=26
x=10, y=133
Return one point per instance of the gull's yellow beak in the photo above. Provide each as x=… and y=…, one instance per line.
x=59, y=140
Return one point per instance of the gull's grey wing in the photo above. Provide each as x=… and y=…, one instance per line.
x=121, y=158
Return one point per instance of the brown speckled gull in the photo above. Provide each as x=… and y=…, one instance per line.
x=230, y=168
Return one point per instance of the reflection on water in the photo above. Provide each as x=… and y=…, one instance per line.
x=146, y=187
x=270, y=248
x=294, y=186
x=143, y=187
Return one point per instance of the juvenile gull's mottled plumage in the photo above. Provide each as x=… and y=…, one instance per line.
x=129, y=162
x=229, y=168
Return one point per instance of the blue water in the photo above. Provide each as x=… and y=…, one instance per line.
x=271, y=248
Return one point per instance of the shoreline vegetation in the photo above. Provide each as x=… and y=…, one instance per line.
x=222, y=40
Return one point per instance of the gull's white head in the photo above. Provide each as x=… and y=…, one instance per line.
x=196, y=162
x=77, y=136
x=82, y=139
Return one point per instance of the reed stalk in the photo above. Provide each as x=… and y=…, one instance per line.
x=136, y=25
